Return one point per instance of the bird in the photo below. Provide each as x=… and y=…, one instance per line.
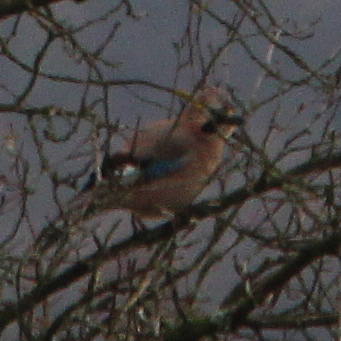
x=166, y=165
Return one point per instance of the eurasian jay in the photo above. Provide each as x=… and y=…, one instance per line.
x=167, y=165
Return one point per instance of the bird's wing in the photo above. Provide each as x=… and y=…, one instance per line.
x=154, y=169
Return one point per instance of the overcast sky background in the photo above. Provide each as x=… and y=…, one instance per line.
x=144, y=49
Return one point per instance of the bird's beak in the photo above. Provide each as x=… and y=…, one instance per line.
x=225, y=115
x=233, y=120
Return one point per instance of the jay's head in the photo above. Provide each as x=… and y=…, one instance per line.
x=213, y=109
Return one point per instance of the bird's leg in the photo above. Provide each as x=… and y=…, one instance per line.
x=137, y=224
x=180, y=220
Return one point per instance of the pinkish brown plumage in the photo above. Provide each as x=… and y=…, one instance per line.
x=170, y=162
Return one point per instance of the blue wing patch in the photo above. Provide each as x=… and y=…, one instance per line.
x=160, y=168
